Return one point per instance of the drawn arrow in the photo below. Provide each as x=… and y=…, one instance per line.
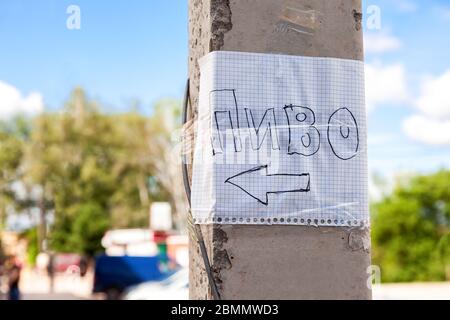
x=258, y=183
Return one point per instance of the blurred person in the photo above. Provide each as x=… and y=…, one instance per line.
x=51, y=271
x=84, y=264
x=42, y=262
x=13, y=280
x=2, y=273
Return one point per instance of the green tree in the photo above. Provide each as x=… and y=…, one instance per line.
x=165, y=148
x=91, y=221
x=94, y=169
x=410, y=230
x=31, y=237
x=13, y=137
x=71, y=157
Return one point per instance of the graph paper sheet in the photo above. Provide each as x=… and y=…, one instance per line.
x=280, y=140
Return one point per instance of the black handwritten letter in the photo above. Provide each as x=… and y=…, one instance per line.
x=343, y=134
x=225, y=126
x=268, y=123
x=304, y=138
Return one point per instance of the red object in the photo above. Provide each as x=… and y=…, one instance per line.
x=160, y=236
x=63, y=261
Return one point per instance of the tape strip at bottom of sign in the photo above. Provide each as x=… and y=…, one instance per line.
x=280, y=140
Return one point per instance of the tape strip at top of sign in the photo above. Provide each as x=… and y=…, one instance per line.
x=280, y=140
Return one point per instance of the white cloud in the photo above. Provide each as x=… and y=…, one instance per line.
x=385, y=85
x=428, y=130
x=443, y=12
x=12, y=102
x=432, y=124
x=376, y=42
x=435, y=97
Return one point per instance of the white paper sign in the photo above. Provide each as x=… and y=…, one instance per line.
x=280, y=140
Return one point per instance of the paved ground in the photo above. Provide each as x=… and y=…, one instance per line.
x=412, y=291
x=416, y=291
x=36, y=286
x=54, y=296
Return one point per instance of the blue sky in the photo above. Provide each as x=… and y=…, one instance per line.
x=125, y=50
x=137, y=50
x=409, y=129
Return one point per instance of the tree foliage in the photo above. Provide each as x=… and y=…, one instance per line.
x=411, y=230
x=13, y=137
x=92, y=169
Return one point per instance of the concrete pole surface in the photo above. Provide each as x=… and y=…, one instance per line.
x=278, y=262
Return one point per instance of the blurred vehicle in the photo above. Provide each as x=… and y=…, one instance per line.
x=131, y=242
x=175, y=287
x=64, y=261
x=115, y=273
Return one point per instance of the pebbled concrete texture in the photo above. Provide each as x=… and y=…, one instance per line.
x=278, y=262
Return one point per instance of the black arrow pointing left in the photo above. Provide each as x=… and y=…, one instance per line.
x=258, y=183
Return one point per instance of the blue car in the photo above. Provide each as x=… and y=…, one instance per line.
x=115, y=273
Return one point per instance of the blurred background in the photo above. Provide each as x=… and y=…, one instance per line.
x=92, y=204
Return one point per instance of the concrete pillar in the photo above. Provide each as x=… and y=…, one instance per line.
x=279, y=262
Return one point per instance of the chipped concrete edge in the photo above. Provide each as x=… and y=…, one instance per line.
x=220, y=23
x=359, y=239
x=220, y=260
x=209, y=22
